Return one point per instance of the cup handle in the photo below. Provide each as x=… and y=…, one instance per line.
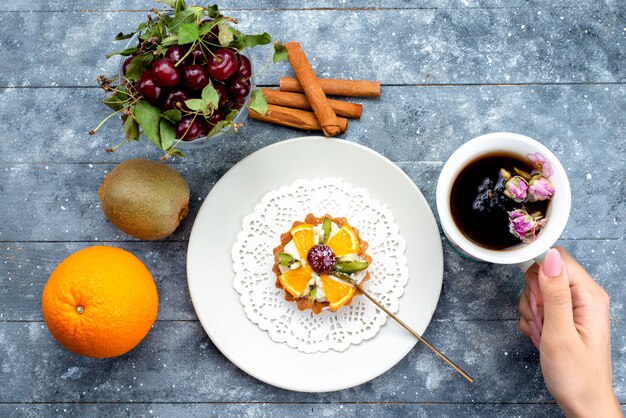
x=525, y=265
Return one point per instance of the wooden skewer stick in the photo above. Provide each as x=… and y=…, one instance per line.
x=419, y=337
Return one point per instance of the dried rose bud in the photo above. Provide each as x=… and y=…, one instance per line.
x=540, y=189
x=524, y=225
x=516, y=188
x=540, y=163
x=505, y=174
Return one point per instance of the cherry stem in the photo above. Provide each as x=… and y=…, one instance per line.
x=93, y=131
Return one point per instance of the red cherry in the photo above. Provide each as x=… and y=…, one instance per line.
x=148, y=88
x=165, y=72
x=188, y=128
x=176, y=100
x=217, y=116
x=176, y=53
x=126, y=64
x=221, y=92
x=222, y=64
x=239, y=87
x=245, y=67
x=195, y=77
x=235, y=103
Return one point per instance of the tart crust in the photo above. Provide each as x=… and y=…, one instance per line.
x=306, y=303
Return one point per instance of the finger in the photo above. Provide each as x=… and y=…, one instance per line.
x=524, y=308
x=532, y=282
x=534, y=331
x=557, y=297
x=586, y=292
x=535, y=312
x=535, y=342
x=523, y=326
x=576, y=272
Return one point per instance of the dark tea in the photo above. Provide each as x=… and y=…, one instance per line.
x=480, y=199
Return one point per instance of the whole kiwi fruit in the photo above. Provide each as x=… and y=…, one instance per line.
x=144, y=198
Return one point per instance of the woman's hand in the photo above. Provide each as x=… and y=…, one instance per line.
x=566, y=315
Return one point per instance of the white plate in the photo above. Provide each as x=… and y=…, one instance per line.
x=210, y=275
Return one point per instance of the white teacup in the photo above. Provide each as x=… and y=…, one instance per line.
x=524, y=148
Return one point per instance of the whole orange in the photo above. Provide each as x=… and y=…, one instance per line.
x=100, y=302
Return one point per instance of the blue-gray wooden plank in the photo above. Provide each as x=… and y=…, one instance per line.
x=425, y=46
x=271, y=410
x=46, y=200
x=438, y=42
x=582, y=124
x=176, y=362
x=95, y=5
x=471, y=291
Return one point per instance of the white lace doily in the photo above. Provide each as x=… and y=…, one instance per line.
x=265, y=304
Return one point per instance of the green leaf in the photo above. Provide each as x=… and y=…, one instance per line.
x=120, y=36
x=184, y=17
x=258, y=102
x=280, y=52
x=206, y=28
x=171, y=3
x=188, y=33
x=230, y=114
x=239, y=41
x=197, y=105
x=152, y=31
x=131, y=129
x=210, y=96
x=114, y=102
x=218, y=127
x=225, y=35
x=180, y=6
x=139, y=65
x=176, y=152
x=125, y=52
x=173, y=115
x=148, y=117
x=214, y=12
x=168, y=134
x=197, y=10
x=170, y=40
x=122, y=94
x=260, y=39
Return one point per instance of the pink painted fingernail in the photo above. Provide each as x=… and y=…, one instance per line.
x=535, y=342
x=535, y=311
x=552, y=265
x=534, y=331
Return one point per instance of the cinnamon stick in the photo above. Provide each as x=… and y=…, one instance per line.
x=336, y=86
x=299, y=101
x=312, y=89
x=295, y=118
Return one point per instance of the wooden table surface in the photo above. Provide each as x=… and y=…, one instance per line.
x=451, y=70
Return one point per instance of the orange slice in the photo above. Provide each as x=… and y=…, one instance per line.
x=295, y=281
x=345, y=241
x=303, y=238
x=337, y=293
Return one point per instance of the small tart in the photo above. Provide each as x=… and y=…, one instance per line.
x=345, y=237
